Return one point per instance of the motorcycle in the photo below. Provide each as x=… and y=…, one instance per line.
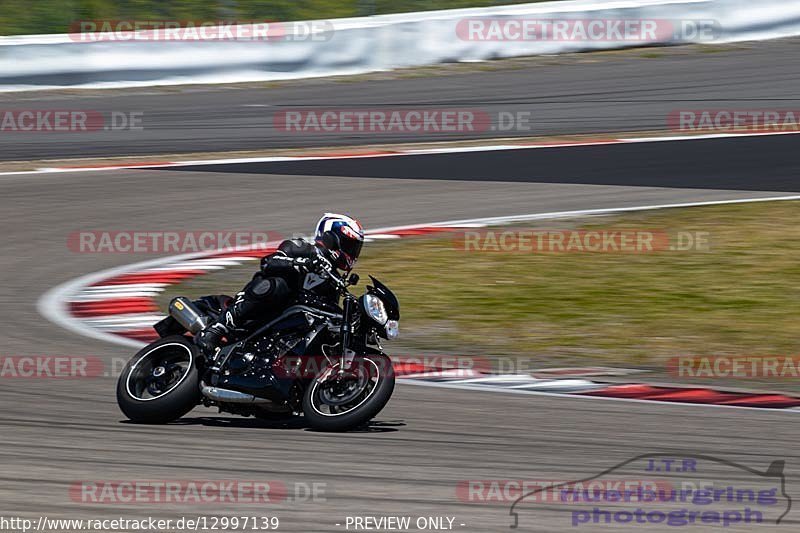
x=317, y=359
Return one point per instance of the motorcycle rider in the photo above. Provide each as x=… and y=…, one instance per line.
x=296, y=265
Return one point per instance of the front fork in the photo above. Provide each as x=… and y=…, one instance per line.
x=347, y=332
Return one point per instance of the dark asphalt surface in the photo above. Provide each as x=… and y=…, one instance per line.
x=54, y=433
x=582, y=93
x=765, y=163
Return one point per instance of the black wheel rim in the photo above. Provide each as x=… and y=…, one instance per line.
x=159, y=371
x=338, y=394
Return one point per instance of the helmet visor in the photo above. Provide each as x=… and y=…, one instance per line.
x=350, y=250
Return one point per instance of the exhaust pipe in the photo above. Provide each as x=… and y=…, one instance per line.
x=188, y=315
x=229, y=396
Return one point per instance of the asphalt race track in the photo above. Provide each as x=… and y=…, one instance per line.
x=586, y=93
x=57, y=432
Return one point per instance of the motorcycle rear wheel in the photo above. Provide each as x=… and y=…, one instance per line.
x=161, y=382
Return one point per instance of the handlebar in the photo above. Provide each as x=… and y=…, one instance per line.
x=339, y=282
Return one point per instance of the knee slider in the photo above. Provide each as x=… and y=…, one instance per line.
x=259, y=289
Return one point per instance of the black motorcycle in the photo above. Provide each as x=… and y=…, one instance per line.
x=317, y=359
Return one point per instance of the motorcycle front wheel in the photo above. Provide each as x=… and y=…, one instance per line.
x=338, y=401
x=161, y=382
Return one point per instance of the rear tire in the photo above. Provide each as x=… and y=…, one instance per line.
x=363, y=407
x=161, y=382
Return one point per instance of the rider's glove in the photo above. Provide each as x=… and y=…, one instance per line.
x=317, y=264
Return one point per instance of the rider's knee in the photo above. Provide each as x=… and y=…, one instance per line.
x=267, y=289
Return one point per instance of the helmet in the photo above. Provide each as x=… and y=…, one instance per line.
x=342, y=237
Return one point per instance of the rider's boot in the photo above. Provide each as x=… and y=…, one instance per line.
x=210, y=338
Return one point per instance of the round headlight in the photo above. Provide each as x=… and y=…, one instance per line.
x=375, y=309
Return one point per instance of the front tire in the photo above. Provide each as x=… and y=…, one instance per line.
x=161, y=382
x=331, y=404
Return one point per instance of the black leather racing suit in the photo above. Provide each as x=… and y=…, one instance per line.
x=284, y=273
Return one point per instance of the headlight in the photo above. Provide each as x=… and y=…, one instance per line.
x=375, y=309
x=392, y=329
